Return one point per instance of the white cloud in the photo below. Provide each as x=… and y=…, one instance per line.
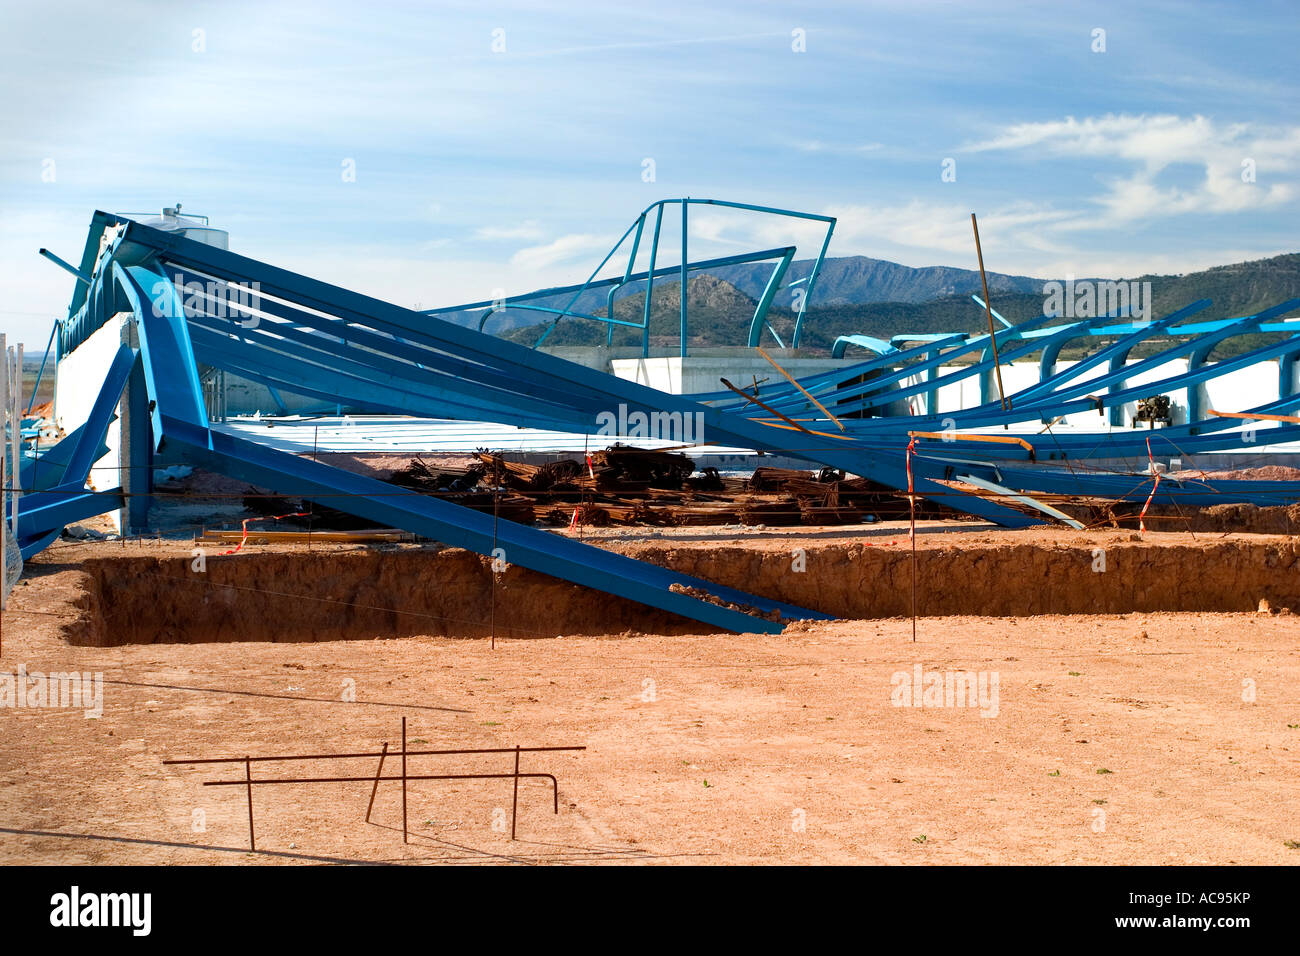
x=392, y=274
x=1021, y=238
x=935, y=233
x=564, y=249
x=817, y=146
x=1151, y=145
x=528, y=229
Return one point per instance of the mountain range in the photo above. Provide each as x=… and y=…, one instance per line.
x=857, y=294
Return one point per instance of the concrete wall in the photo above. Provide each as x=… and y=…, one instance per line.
x=702, y=373
x=80, y=377
x=245, y=397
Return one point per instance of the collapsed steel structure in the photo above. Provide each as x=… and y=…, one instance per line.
x=183, y=304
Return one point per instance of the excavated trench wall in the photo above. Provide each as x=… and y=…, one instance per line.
x=366, y=594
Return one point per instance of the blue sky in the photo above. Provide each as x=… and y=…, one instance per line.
x=479, y=169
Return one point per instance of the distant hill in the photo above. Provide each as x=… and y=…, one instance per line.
x=847, y=280
x=720, y=314
x=855, y=280
x=721, y=309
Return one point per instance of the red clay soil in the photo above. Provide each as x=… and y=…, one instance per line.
x=1119, y=738
x=151, y=593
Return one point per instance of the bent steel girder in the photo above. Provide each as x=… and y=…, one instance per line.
x=1050, y=388
x=1237, y=327
x=164, y=340
x=868, y=342
x=47, y=470
x=482, y=360
x=1047, y=398
x=329, y=344
x=45, y=511
x=317, y=339
x=1134, y=488
x=822, y=382
x=1050, y=340
x=1077, y=399
x=775, y=282
x=460, y=527
x=881, y=385
x=1019, y=400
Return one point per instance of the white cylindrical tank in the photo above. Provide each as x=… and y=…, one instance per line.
x=172, y=220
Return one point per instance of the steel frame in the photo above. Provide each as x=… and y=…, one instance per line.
x=776, y=280
x=191, y=305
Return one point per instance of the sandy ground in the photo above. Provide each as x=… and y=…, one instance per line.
x=1132, y=738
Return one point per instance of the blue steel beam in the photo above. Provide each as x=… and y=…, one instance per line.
x=164, y=338
x=50, y=511
x=685, y=259
x=434, y=370
x=585, y=392
x=47, y=470
x=613, y=284
x=593, y=391
x=1074, y=400
x=880, y=385
x=40, y=373
x=764, y=304
x=460, y=527
x=1047, y=396
x=1162, y=357
x=1023, y=399
x=175, y=382
x=627, y=277
x=46, y=510
x=638, y=225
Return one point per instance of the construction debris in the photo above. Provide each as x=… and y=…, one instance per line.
x=624, y=486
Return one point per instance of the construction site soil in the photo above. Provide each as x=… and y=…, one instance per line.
x=1145, y=709
x=144, y=591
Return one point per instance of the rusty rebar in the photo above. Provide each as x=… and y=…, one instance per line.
x=369, y=753
x=404, y=830
x=248, y=782
x=371, y=805
x=988, y=308
x=555, y=784
x=405, y=776
x=514, y=806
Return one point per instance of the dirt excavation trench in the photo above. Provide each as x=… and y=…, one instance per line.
x=126, y=597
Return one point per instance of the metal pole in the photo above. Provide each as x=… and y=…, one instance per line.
x=988, y=308
x=685, y=204
x=368, y=753
x=4, y=484
x=371, y=805
x=496, y=518
x=807, y=394
x=650, y=284
x=911, y=504
x=514, y=807
x=248, y=780
x=18, y=430
x=404, y=831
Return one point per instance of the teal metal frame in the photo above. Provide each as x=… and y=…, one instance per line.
x=776, y=281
